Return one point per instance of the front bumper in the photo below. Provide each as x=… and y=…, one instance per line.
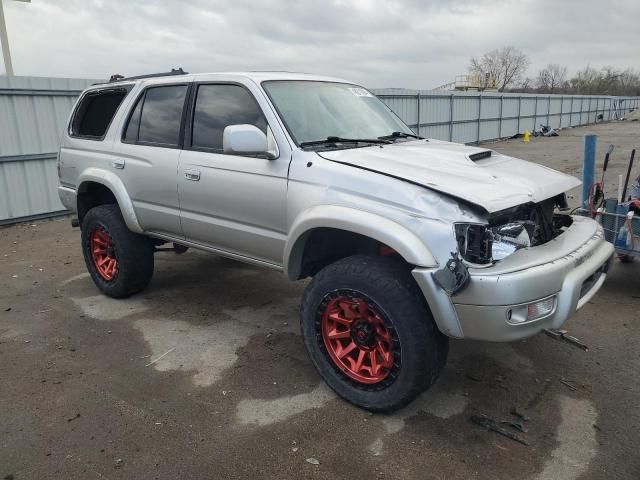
x=571, y=268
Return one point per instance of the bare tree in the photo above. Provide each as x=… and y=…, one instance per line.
x=504, y=67
x=526, y=85
x=586, y=80
x=610, y=80
x=591, y=81
x=628, y=83
x=552, y=78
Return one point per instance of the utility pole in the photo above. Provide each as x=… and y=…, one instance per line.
x=4, y=39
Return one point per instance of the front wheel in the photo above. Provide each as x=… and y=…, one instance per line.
x=120, y=262
x=370, y=334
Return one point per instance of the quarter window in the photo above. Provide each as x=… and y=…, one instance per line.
x=131, y=135
x=95, y=112
x=218, y=106
x=157, y=117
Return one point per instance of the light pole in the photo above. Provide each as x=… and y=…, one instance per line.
x=6, y=54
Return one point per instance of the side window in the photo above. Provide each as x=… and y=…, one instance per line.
x=157, y=117
x=131, y=134
x=218, y=106
x=95, y=112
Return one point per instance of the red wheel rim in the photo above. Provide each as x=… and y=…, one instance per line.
x=357, y=339
x=103, y=254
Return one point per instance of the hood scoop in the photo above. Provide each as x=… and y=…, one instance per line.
x=474, y=157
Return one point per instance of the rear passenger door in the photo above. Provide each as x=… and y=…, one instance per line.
x=147, y=156
x=230, y=202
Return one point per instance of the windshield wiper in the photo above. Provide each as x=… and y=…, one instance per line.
x=344, y=140
x=400, y=135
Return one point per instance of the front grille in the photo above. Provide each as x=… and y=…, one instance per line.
x=537, y=218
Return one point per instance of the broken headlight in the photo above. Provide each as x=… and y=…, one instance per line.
x=475, y=242
x=511, y=237
x=483, y=244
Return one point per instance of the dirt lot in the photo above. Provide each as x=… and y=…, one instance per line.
x=204, y=375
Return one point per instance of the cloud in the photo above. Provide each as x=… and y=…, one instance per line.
x=411, y=43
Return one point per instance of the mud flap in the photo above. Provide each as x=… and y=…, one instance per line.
x=453, y=277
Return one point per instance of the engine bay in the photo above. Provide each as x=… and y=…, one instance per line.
x=509, y=230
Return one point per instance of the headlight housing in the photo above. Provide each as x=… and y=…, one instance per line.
x=475, y=242
x=481, y=244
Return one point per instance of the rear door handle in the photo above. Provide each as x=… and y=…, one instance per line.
x=192, y=174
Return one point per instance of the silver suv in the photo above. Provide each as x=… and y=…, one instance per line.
x=409, y=241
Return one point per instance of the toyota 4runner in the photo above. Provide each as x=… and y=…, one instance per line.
x=408, y=241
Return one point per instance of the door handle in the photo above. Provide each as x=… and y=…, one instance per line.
x=192, y=174
x=118, y=163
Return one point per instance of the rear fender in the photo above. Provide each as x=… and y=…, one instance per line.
x=113, y=183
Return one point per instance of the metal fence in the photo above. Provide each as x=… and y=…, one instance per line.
x=476, y=117
x=33, y=111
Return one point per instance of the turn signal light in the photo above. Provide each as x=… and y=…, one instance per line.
x=531, y=311
x=540, y=309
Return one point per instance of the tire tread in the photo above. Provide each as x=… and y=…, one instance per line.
x=135, y=251
x=393, y=277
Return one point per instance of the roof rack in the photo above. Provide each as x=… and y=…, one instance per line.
x=174, y=71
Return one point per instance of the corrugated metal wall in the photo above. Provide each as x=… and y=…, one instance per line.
x=472, y=117
x=33, y=111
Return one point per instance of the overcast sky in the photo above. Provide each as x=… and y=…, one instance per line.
x=393, y=43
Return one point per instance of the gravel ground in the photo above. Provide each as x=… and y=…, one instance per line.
x=204, y=375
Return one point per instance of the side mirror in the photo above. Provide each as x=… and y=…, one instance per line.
x=248, y=140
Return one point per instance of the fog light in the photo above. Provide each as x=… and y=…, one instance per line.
x=540, y=309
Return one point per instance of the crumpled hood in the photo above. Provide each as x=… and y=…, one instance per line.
x=494, y=183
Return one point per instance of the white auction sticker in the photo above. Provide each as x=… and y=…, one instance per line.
x=360, y=92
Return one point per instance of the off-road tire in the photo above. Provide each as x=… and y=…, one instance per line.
x=134, y=253
x=388, y=285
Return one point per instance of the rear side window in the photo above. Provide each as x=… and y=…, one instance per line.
x=95, y=112
x=131, y=134
x=218, y=106
x=157, y=117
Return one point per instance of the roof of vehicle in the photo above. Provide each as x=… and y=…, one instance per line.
x=256, y=76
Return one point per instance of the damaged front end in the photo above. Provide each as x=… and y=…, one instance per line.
x=480, y=245
x=507, y=231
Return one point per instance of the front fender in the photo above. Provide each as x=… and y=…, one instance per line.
x=113, y=183
x=371, y=225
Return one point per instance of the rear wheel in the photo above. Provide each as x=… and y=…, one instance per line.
x=370, y=334
x=120, y=262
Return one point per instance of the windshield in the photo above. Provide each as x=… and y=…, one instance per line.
x=314, y=111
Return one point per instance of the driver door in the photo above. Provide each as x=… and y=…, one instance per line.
x=232, y=203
